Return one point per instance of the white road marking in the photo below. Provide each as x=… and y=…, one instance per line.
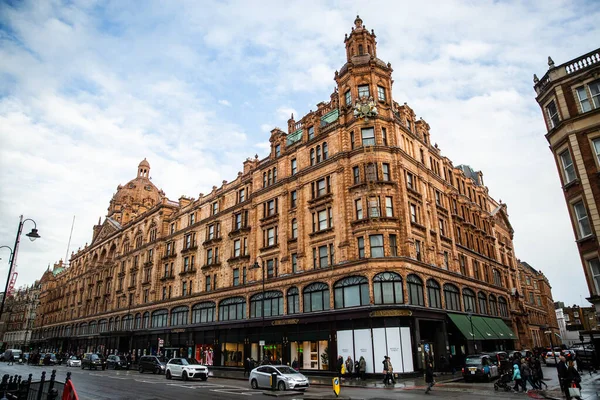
x=240, y=391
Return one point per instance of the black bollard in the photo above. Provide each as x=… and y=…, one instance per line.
x=51, y=387
x=41, y=388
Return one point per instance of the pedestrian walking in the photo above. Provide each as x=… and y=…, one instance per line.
x=349, y=366
x=429, y=377
x=295, y=364
x=517, y=376
x=561, y=369
x=339, y=366
x=11, y=359
x=572, y=381
x=385, y=370
x=247, y=366
x=526, y=375
x=363, y=367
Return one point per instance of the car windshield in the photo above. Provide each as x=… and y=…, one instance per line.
x=74, y=358
x=287, y=370
x=473, y=361
x=189, y=361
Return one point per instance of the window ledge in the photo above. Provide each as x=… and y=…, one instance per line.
x=322, y=231
x=585, y=239
x=574, y=182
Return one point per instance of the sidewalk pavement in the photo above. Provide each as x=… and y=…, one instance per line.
x=372, y=383
x=589, y=389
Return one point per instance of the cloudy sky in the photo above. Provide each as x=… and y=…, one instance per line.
x=90, y=88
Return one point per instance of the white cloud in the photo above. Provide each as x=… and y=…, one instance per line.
x=89, y=90
x=285, y=113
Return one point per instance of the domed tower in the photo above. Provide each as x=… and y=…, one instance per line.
x=136, y=197
x=364, y=79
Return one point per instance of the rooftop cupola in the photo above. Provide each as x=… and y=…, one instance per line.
x=144, y=169
x=360, y=42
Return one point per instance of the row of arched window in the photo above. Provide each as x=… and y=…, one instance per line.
x=352, y=291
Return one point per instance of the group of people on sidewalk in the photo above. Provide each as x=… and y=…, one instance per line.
x=351, y=369
x=527, y=370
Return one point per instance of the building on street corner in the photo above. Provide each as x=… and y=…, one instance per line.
x=20, y=313
x=569, y=96
x=355, y=236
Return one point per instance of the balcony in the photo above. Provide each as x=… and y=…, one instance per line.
x=239, y=258
x=168, y=256
x=167, y=277
x=239, y=231
x=269, y=219
x=210, y=242
x=148, y=264
x=209, y=266
x=190, y=271
x=190, y=249
x=321, y=200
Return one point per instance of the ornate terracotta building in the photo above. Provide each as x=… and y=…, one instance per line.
x=538, y=307
x=569, y=96
x=354, y=236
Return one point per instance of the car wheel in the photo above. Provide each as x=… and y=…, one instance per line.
x=184, y=376
x=168, y=375
x=254, y=384
x=157, y=371
x=281, y=386
x=141, y=370
x=82, y=366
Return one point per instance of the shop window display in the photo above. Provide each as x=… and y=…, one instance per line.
x=232, y=354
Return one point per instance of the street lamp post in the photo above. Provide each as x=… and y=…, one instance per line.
x=262, y=306
x=13, y=254
x=470, y=316
x=552, y=346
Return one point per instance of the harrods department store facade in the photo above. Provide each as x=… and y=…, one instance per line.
x=355, y=236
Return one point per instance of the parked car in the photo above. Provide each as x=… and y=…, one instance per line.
x=186, y=368
x=550, y=359
x=48, y=359
x=117, y=362
x=479, y=367
x=500, y=359
x=73, y=361
x=287, y=378
x=152, y=363
x=16, y=353
x=93, y=360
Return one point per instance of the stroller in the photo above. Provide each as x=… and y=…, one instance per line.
x=505, y=382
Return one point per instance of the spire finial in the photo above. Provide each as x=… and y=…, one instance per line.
x=535, y=78
x=358, y=22
x=550, y=62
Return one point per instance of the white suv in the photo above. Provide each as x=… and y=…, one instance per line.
x=186, y=368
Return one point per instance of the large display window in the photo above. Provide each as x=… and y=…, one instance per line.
x=232, y=354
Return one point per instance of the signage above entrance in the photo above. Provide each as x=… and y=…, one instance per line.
x=178, y=330
x=390, y=313
x=285, y=322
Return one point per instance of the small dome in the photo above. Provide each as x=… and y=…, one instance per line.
x=144, y=164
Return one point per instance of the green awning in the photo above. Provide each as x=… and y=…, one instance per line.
x=464, y=326
x=502, y=330
x=485, y=329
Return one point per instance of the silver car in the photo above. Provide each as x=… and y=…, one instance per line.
x=287, y=378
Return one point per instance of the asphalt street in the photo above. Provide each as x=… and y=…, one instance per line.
x=126, y=385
